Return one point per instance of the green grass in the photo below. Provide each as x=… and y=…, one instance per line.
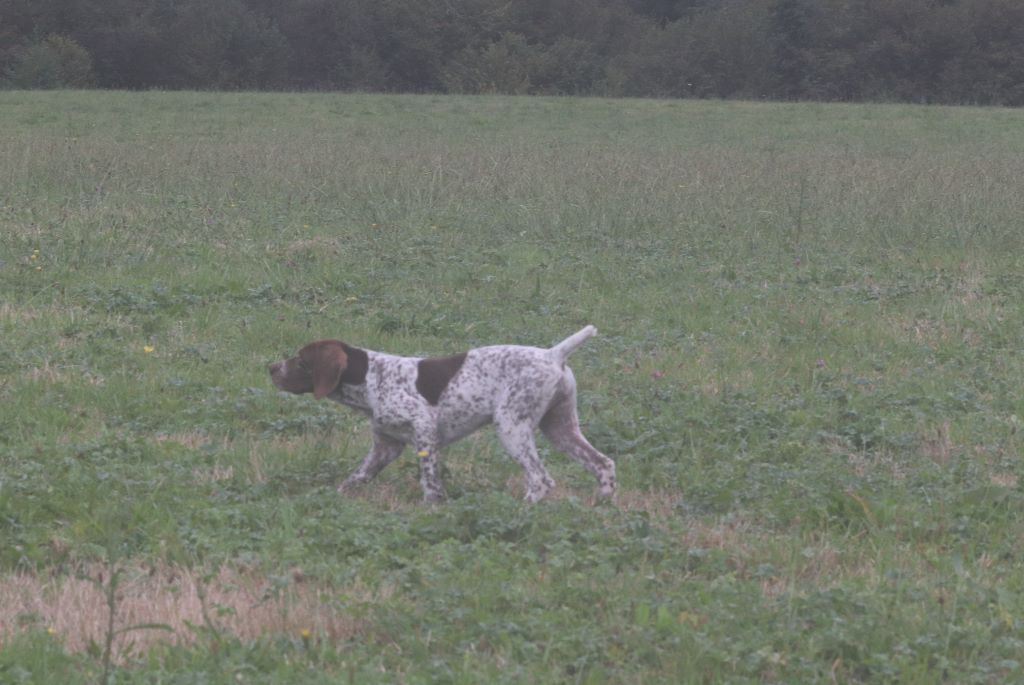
x=808, y=372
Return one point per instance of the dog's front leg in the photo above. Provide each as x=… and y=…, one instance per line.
x=384, y=451
x=428, y=452
x=430, y=472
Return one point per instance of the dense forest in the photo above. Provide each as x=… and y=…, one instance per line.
x=948, y=51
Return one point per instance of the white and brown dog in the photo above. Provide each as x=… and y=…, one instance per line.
x=432, y=402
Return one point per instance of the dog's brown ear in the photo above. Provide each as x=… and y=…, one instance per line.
x=326, y=361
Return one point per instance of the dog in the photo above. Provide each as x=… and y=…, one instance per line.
x=432, y=402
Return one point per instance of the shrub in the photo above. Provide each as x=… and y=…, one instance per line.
x=53, y=62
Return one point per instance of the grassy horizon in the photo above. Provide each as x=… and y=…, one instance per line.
x=807, y=371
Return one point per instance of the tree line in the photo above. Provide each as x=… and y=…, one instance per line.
x=943, y=51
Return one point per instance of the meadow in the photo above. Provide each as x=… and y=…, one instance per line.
x=808, y=370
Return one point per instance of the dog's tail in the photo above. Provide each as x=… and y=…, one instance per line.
x=563, y=349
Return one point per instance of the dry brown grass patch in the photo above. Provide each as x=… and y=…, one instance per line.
x=1004, y=480
x=389, y=494
x=63, y=375
x=936, y=443
x=27, y=314
x=236, y=602
x=191, y=439
x=864, y=462
x=657, y=503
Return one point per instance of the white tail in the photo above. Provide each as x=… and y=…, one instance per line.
x=563, y=349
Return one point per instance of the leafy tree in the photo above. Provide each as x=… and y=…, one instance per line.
x=920, y=50
x=790, y=31
x=569, y=66
x=990, y=69
x=54, y=62
x=134, y=53
x=223, y=44
x=500, y=67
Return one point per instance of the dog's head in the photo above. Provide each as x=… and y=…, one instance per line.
x=317, y=368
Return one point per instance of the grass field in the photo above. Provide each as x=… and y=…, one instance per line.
x=808, y=371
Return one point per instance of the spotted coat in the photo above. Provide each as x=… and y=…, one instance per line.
x=432, y=402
